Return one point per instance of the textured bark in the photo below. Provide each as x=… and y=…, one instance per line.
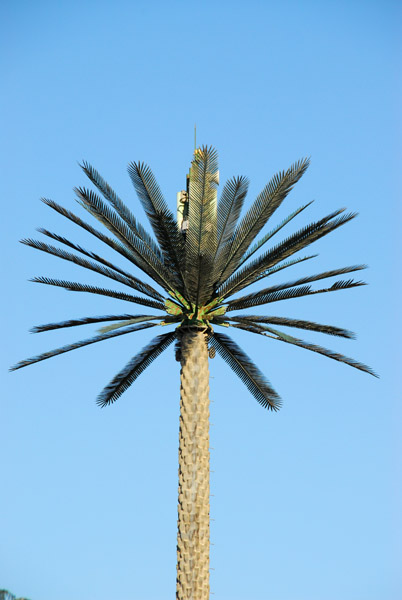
x=193, y=506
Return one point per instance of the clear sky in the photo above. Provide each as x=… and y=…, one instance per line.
x=306, y=501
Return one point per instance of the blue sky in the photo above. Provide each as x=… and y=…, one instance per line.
x=306, y=501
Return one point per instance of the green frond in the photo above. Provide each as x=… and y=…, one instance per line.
x=229, y=209
x=283, y=265
x=161, y=218
x=69, y=347
x=296, y=323
x=278, y=335
x=306, y=236
x=121, y=209
x=150, y=290
x=146, y=260
x=115, y=244
x=90, y=320
x=246, y=370
x=271, y=233
x=301, y=281
x=78, y=287
x=317, y=277
x=123, y=380
x=107, y=216
x=132, y=321
x=129, y=281
x=258, y=214
x=98, y=234
x=257, y=299
x=201, y=237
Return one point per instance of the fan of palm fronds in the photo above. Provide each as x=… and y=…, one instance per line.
x=200, y=268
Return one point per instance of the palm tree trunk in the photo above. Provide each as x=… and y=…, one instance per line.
x=193, y=505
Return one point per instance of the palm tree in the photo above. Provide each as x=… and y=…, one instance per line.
x=203, y=261
x=6, y=595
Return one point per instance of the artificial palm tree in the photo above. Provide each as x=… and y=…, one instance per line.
x=6, y=595
x=203, y=260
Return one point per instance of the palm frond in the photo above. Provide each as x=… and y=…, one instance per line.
x=90, y=320
x=151, y=291
x=306, y=236
x=301, y=281
x=255, y=299
x=258, y=214
x=220, y=320
x=271, y=233
x=244, y=368
x=146, y=259
x=107, y=216
x=161, y=218
x=120, y=208
x=132, y=321
x=229, y=208
x=317, y=277
x=129, y=281
x=78, y=287
x=87, y=342
x=98, y=234
x=201, y=237
x=278, y=335
x=283, y=265
x=123, y=380
x=116, y=245
x=258, y=299
x=296, y=323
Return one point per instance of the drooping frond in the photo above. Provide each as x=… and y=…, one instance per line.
x=130, y=281
x=244, y=368
x=296, y=323
x=69, y=347
x=161, y=218
x=258, y=214
x=278, y=335
x=90, y=320
x=303, y=280
x=145, y=258
x=306, y=236
x=139, y=319
x=78, y=287
x=150, y=290
x=201, y=235
x=123, y=380
x=120, y=208
x=271, y=233
x=258, y=299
